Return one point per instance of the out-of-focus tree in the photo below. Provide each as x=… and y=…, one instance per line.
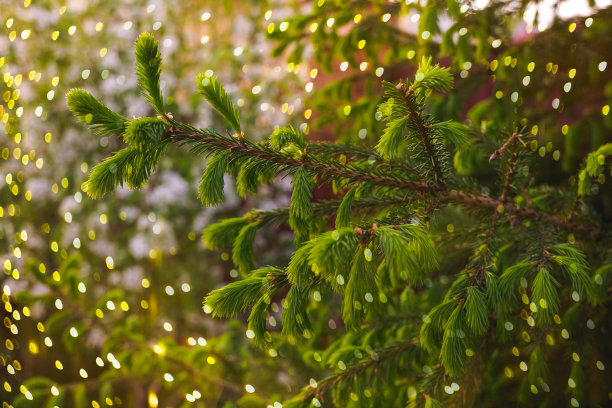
x=102, y=300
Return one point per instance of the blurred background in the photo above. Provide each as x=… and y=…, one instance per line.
x=101, y=300
x=105, y=296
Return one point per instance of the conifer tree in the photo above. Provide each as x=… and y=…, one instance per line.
x=508, y=299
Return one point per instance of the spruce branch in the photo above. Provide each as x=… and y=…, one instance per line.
x=208, y=141
x=148, y=70
x=328, y=207
x=476, y=312
x=213, y=91
x=258, y=318
x=233, y=388
x=474, y=297
x=486, y=250
x=300, y=208
x=431, y=77
x=392, y=136
x=95, y=114
x=428, y=386
x=144, y=133
x=285, y=136
x=348, y=153
x=295, y=319
x=415, y=117
x=345, y=209
x=222, y=234
x=241, y=295
x=455, y=132
x=361, y=283
x=205, y=140
x=211, y=184
x=408, y=251
x=242, y=254
x=353, y=371
x=253, y=174
x=131, y=166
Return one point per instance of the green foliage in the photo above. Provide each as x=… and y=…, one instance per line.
x=257, y=321
x=494, y=297
x=95, y=114
x=331, y=255
x=433, y=325
x=211, y=184
x=295, y=318
x=429, y=20
x=593, y=168
x=392, y=107
x=212, y=90
x=432, y=403
x=453, y=352
x=80, y=395
x=344, y=215
x=390, y=141
x=145, y=133
x=148, y=70
x=431, y=78
x=301, y=204
x=537, y=366
x=131, y=166
x=407, y=250
x=224, y=232
x=284, y=137
x=251, y=175
x=240, y=295
x=575, y=265
x=476, y=312
x=298, y=270
x=360, y=290
x=602, y=279
x=509, y=280
x=538, y=373
x=242, y=254
x=455, y=132
x=545, y=296
x=471, y=160
x=576, y=380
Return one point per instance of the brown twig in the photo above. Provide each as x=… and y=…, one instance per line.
x=570, y=216
x=500, y=152
x=509, y=173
